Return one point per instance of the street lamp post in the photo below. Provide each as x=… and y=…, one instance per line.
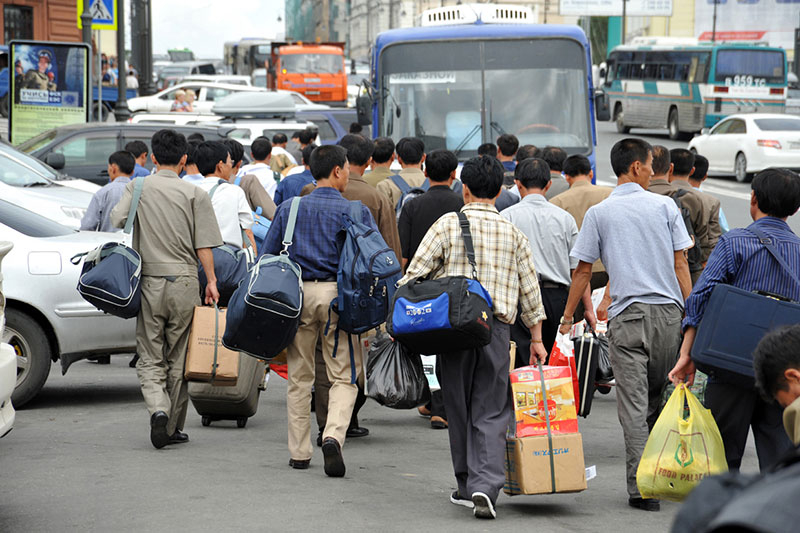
x=624, y=16
x=714, y=23
x=121, y=110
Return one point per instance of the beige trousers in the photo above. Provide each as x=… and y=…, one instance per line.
x=162, y=338
x=342, y=371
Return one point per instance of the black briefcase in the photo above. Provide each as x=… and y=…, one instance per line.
x=587, y=357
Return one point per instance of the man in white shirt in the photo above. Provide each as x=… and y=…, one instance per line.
x=192, y=173
x=261, y=150
x=230, y=204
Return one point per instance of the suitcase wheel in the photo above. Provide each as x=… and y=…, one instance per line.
x=241, y=422
x=206, y=421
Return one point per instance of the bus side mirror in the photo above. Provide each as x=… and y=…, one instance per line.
x=364, y=110
x=601, y=108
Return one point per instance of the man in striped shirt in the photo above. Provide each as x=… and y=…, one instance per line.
x=740, y=259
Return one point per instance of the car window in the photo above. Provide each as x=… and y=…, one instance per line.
x=30, y=223
x=30, y=161
x=737, y=126
x=89, y=149
x=297, y=99
x=722, y=127
x=12, y=172
x=778, y=124
x=215, y=93
x=326, y=131
x=37, y=142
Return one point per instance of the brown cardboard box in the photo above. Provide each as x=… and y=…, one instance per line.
x=528, y=464
x=200, y=357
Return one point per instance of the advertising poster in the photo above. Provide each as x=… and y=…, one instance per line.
x=771, y=21
x=49, y=87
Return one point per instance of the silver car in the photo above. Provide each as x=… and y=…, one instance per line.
x=46, y=318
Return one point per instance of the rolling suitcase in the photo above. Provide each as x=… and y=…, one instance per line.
x=230, y=403
x=587, y=356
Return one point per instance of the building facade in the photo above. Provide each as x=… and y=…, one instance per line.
x=41, y=20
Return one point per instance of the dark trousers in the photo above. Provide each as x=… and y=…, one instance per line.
x=735, y=410
x=554, y=300
x=321, y=388
x=436, y=405
x=477, y=399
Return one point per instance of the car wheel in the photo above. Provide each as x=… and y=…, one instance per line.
x=30, y=343
x=740, y=168
x=619, y=118
x=672, y=125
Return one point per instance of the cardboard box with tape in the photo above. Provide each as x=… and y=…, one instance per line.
x=528, y=465
x=207, y=360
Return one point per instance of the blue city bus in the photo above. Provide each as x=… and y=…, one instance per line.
x=685, y=87
x=456, y=86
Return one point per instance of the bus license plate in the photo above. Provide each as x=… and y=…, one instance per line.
x=312, y=92
x=794, y=146
x=312, y=80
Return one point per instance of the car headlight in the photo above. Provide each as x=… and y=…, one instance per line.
x=73, y=212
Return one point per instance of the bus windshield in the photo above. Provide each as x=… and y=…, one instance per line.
x=750, y=67
x=312, y=64
x=459, y=94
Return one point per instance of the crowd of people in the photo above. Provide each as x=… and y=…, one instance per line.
x=545, y=236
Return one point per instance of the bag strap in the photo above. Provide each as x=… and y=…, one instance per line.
x=425, y=185
x=770, y=246
x=138, y=185
x=289, y=233
x=466, y=234
x=402, y=184
x=214, y=189
x=549, y=430
x=238, y=180
x=355, y=210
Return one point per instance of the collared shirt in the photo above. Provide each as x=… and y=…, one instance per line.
x=173, y=220
x=194, y=179
x=382, y=212
x=291, y=185
x=551, y=232
x=377, y=175
x=635, y=233
x=412, y=175
x=691, y=201
x=742, y=261
x=264, y=174
x=502, y=254
x=558, y=185
x=791, y=421
x=278, y=150
x=139, y=170
x=420, y=213
x=509, y=166
x=319, y=222
x=506, y=199
x=99, y=210
x=231, y=207
x=256, y=196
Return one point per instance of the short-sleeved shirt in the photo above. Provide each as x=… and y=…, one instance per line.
x=173, y=220
x=231, y=208
x=636, y=234
x=99, y=210
x=265, y=175
x=377, y=175
x=413, y=176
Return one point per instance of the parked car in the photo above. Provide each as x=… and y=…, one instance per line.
x=333, y=123
x=46, y=318
x=743, y=144
x=231, y=79
x=207, y=93
x=82, y=150
x=8, y=360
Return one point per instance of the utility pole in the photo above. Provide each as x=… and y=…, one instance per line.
x=142, y=45
x=714, y=23
x=86, y=35
x=121, y=110
x=624, y=16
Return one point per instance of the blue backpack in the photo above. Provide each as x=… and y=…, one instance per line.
x=262, y=223
x=407, y=192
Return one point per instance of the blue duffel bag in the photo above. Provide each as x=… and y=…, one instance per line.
x=264, y=312
x=111, y=274
x=230, y=267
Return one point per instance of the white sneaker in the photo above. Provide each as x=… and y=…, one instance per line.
x=458, y=499
x=484, y=508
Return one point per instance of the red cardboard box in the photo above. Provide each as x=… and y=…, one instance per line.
x=529, y=407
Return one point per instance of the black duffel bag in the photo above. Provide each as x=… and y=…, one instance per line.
x=443, y=315
x=230, y=267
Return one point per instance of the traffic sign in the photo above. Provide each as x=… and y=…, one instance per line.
x=104, y=14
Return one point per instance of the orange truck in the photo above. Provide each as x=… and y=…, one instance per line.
x=314, y=69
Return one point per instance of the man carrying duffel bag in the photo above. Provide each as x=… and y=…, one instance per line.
x=475, y=380
x=174, y=227
x=765, y=258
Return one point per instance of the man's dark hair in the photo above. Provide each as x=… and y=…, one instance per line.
x=325, y=158
x=533, y=173
x=777, y=192
x=410, y=150
x=384, y=148
x=261, y=148
x=554, y=157
x=488, y=149
x=136, y=148
x=577, y=165
x=700, y=168
x=526, y=151
x=190, y=150
x=778, y=351
x=236, y=150
x=483, y=175
x=208, y=154
x=306, y=136
x=626, y=151
x=124, y=160
x=507, y=144
x=279, y=138
x=661, y=160
x=169, y=147
x=355, y=127
x=683, y=161
x=307, y=154
x=359, y=149
x=440, y=164
x=296, y=135
x=196, y=136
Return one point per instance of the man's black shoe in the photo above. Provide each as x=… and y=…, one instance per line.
x=332, y=451
x=179, y=437
x=319, y=438
x=645, y=504
x=158, y=429
x=299, y=464
x=354, y=433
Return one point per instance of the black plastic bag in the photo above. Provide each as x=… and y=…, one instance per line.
x=604, y=371
x=395, y=377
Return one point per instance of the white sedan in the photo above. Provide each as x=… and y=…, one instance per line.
x=206, y=94
x=743, y=144
x=8, y=362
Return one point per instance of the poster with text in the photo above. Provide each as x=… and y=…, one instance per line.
x=49, y=87
x=771, y=21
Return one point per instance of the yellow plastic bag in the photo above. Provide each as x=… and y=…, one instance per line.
x=680, y=452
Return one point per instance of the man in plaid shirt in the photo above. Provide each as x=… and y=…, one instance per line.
x=475, y=382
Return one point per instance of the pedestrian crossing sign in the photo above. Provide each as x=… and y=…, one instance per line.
x=104, y=14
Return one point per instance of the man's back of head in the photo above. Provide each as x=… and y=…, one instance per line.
x=410, y=150
x=236, y=150
x=507, y=145
x=488, y=149
x=627, y=152
x=307, y=151
x=306, y=136
x=359, y=149
x=137, y=148
x=682, y=163
x=554, y=157
x=279, y=139
x=777, y=192
x=124, y=161
x=169, y=147
x=324, y=159
x=261, y=149
x=440, y=165
x=661, y=161
x=533, y=174
x=383, y=151
x=578, y=167
x=208, y=155
x=700, y=172
x=526, y=151
x=483, y=177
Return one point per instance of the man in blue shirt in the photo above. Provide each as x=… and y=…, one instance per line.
x=291, y=185
x=120, y=167
x=740, y=259
x=314, y=249
x=139, y=151
x=507, y=145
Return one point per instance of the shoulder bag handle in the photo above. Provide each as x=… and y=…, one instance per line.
x=402, y=184
x=138, y=184
x=466, y=234
x=289, y=233
x=770, y=246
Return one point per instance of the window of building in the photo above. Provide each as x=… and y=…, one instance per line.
x=17, y=22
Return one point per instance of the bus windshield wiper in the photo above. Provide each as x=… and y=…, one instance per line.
x=466, y=139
